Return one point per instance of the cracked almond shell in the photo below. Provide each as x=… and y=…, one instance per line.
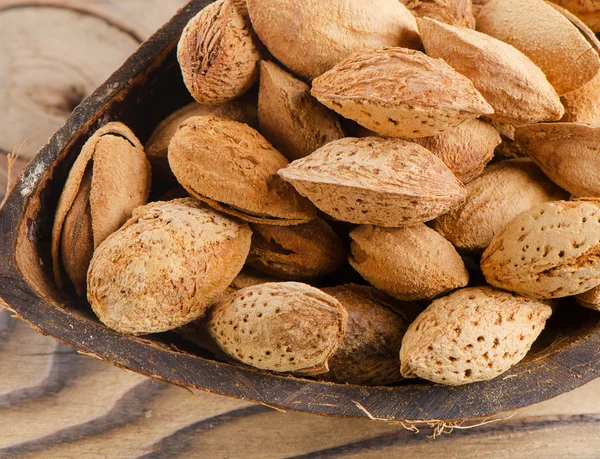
x=110, y=178
x=309, y=37
x=568, y=153
x=455, y=12
x=374, y=180
x=400, y=93
x=514, y=86
x=290, y=118
x=219, y=53
x=283, y=327
x=473, y=334
x=412, y=263
x=165, y=266
x=544, y=35
x=549, y=251
x=299, y=252
x=496, y=197
x=233, y=168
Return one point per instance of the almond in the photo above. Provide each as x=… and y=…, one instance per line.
x=583, y=105
x=310, y=36
x=412, y=263
x=157, y=147
x=400, y=93
x=590, y=299
x=290, y=118
x=299, y=252
x=369, y=352
x=474, y=334
x=165, y=266
x=568, y=153
x=283, y=327
x=373, y=180
x=465, y=149
x=219, y=53
x=549, y=251
x=544, y=35
x=455, y=12
x=109, y=178
x=233, y=168
x=587, y=10
x=496, y=197
x=515, y=87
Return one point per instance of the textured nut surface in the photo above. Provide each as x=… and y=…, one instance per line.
x=587, y=10
x=455, y=12
x=290, y=118
x=298, y=252
x=283, y=327
x=513, y=85
x=496, y=197
x=157, y=147
x=544, y=35
x=473, y=334
x=400, y=92
x=549, y=251
x=568, y=153
x=372, y=180
x=412, y=263
x=233, y=168
x=120, y=182
x=583, y=105
x=369, y=352
x=310, y=36
x=465, y=149
x=219, y=53
x=165, y=266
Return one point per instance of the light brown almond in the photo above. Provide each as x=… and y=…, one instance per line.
x=549, y=251
x=411, y=264
x=374, y=180
x=299, y=252
x=233, y=168
x=400, y=93
x=474, y=334
x=310, y=36
x=496, y=197
x=583, y=105
x=283, y=327
x=290, y=118
x=165, y=266
x=455, y=12
x=568, y=153
x=544, y=35
x=219, y=53
x=465, y=149
x=590, y=299
x=587, y=10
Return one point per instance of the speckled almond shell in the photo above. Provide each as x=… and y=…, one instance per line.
x=120, y=182
x=465, y=149
x=587, y=10
x=219, y=53
x=474, y=334
x=455, y=12
x=310, y=36
x=165, y=266
x=299, y=252
x=374, y=180
x=233, y=168
x=568, y=153
x=412, y=263
x=496, y=197
x=513, y=85
x=544, y=35
x=583, y=105
x=283, y=327
x=400, y=93
x=590, y=299
x=290, y=118
x=369, y=352
x=157, y=148
x=549, y=251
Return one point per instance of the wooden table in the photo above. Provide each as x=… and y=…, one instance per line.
x=55, y=403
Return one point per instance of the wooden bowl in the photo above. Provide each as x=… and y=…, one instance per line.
x=144, y=91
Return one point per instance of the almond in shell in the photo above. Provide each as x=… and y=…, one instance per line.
x=455, y=12
x=474, y=334
x=590, y=299
x=374, y=180
x=583, y=105
x=587, y=10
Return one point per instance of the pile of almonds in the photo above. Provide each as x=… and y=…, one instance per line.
x=408, y=139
